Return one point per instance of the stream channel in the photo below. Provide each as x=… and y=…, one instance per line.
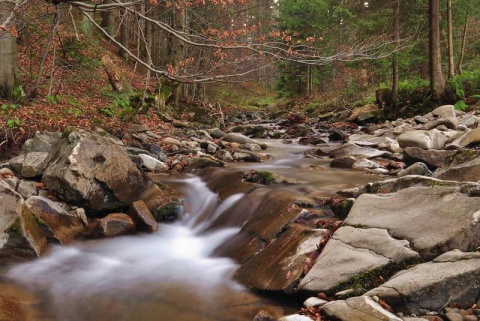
x=171, y=274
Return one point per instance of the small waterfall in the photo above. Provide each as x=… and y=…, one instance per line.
x=77, y=278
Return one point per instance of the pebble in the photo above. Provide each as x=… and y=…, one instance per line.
x=453, y=316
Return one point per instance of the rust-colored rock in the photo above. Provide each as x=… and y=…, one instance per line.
x=116, y=224
x=143, y=217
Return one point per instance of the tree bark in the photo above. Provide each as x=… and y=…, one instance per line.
x=437, y=80
x=396, y=35
x=108, y=20
x=124, y=34
x=451, y=64
x=464, y=42
x=9, y=73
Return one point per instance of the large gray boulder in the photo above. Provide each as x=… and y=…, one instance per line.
x=432, y=139
x=471, y=136
x=352, y=252
x=433, y=219
x=30, y=165
x=92, y=171
x=20, y=236
x=432, y=158
x=452, y=278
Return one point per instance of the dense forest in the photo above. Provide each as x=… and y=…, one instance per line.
x=335, y=52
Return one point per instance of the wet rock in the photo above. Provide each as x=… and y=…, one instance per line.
x=363, y=164
x=226, y=183
x=354, y=252
x=20, y=236
x=247, y=157
x=463, y=165
x=203, y=162
x=432, y=139
x=416, y=169
x=142, y=216
x=313, y=140
x=30, y=165
x=163, y=202
x=152, y=164
x=279, y=266
x=224, y=155
x=338, y=135
x=19, y=304
x=56, y=223
x=91, y=171
x=296, y=131
x=432, y=158
x=242, y=139
x=216, y=133
x=350, y=149
x=433, y=219
x=359, y=309
x=116, y=224
x=343, y=162
x=452, y=278
x=267, y=178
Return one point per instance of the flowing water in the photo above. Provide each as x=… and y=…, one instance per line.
x=168, y=275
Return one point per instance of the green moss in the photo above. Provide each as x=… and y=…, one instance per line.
x=265, y=177
x=462, y=156
x=374, y=278
x=15, y=230
x=440, y=183
x=168, y=212
x=372, y=188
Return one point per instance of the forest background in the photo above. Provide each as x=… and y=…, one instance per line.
x=105, y=62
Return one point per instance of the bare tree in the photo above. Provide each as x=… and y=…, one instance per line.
x=437, y=80
x=9, y=73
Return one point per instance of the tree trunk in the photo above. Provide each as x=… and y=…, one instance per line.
x=451, y=64
x=396, y=35
x=178, y=46
x=108, y=20
x=464, y=42
x=9, y=74
x=437, y=80
x=124, y=34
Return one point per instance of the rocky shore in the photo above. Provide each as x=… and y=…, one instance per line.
x=402, y=248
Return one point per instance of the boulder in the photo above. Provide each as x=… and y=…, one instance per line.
x=216, y=133
x=41, y=142
x=416, y=169
x=396, y=184
x=56, y=224
x=361, y=308
x=162, y=201
x=351, y=253
x=432, y=158
x=152, y=164
x=297, y=118
x=445, y=111
x=432, y=139
x=30, y=165
x=463, y=165
x=142, y=216
x=365, y=113
x=356, y=151
x=343, y=162
x=20, y=236
x=470, y=137
x=433, y=219
x=452, y=278
x=93, y=172
x=116, y=224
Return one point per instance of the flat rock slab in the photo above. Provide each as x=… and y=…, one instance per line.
x=359, y=309
x=279, y=266
x=453, y=277
x=356, y=151
x=433, y=219
x=352, y=252
x=433, y=158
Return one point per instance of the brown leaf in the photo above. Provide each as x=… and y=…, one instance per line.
x=385, y=305
x=3, y=28
x=14, y=31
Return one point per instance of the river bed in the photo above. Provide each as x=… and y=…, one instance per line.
x=168, y=275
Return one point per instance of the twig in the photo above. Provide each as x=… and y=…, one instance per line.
x=74, y=24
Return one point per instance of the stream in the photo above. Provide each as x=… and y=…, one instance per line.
x=171, y=274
